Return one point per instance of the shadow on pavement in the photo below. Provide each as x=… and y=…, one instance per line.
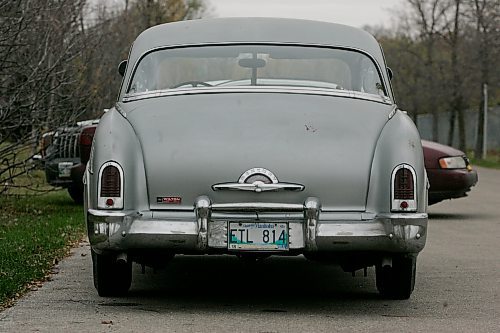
x=456, y=216
x=275, y=285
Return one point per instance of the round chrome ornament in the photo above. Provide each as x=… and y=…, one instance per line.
x=261, y=175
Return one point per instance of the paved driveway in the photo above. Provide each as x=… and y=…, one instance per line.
x=457, y=289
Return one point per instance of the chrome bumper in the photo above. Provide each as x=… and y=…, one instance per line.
x=310, y=229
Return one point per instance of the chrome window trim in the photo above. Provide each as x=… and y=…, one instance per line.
x=256, y=89
x=382, y=73
x=101, y=201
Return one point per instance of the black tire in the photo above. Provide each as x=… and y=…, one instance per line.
x=398, y=281
x=111, y=278
x=76, y=193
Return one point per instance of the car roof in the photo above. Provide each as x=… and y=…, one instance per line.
x=254, y=30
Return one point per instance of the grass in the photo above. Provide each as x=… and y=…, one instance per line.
x=32, y=182
x=492, y=160
x=35, y=232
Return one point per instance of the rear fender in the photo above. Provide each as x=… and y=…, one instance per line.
x=399, y=143
x=115, y=140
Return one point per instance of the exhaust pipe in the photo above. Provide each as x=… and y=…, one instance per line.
x=387, y=262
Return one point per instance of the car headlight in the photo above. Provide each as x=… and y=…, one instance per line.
x=457, y=162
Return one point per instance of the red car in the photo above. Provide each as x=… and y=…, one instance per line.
x=449, y=171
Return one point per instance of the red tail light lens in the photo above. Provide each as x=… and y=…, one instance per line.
x=110, y=182
x=87, y=135
x=404, y=185
x=403, y=189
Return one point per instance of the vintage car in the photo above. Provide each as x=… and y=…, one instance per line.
x=449, y=171
x=256, y=137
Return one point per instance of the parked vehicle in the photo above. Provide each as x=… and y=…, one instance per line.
x=61, y=153
x=256, y=137
x=449, y=170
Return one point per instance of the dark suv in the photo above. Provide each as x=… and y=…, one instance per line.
x=62, y=154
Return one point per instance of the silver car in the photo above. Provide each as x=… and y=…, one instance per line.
x=256, y=137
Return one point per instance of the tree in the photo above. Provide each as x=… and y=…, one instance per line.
x=452, y=34
x=486, y=16
x=114, y=30
x=429, y=18
x=58, y=63
x=40, y=40
x=440, y=50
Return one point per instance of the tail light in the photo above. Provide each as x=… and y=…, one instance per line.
x=86, y=137
x=403, y=189
x=46, y=141
x=110, y=187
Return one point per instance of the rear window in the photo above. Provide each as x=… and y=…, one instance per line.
x=256, y=65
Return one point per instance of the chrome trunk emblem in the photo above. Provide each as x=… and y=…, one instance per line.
x=258, y=180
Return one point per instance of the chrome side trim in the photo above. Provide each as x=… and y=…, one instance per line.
x=411, y=216
x=258, y=187
x=342, y=229
x=109, y=213
x=393, y=112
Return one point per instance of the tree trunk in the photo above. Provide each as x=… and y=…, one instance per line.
x=435, y=125
x=457, y=103
x=462, y=144
x=478, y=153
x=451, y=130
x=483, y=54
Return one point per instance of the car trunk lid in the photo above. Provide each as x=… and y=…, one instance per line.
x=191, y=143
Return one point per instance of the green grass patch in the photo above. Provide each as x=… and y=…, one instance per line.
x=35, y=232
x=492, y=160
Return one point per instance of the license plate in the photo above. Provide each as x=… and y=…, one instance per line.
x=65, y=169
x=254, y=236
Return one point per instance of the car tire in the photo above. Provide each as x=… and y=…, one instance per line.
x=397, y=281
x=76, y=193
x=110, y=277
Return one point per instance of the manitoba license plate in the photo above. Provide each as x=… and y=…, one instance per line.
x=258, y=236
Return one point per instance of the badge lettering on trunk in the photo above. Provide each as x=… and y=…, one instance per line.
x=169, y=200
